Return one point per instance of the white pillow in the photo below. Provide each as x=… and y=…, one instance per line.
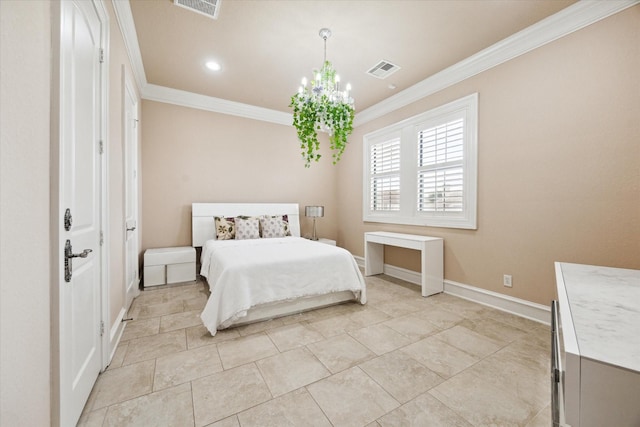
x=272, y=226
x=247, y=228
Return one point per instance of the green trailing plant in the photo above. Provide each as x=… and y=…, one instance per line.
x=316, y=110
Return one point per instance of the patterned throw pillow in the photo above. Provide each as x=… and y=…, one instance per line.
x=272, y=226
x=247, y=228
x=225, y=228
x=287, y=229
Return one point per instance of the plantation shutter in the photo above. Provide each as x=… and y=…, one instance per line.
x=441, y=168
x=385, y=176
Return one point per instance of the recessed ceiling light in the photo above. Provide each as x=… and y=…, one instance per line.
x=213, y=65
x=392, y=86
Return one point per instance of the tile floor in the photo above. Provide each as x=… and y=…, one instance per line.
x=399, y=360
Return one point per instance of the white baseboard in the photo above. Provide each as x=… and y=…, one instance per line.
x=523, y=308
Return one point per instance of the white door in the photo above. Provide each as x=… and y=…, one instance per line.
x=80, y=191
x=130, y=130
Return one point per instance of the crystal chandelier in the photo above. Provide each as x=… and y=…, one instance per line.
x=323, y=105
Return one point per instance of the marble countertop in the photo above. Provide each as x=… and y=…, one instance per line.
x=605, y=308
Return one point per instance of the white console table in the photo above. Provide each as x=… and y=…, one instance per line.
x=431, y=256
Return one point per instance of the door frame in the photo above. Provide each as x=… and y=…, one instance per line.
x=57, y=209
x=128, y=87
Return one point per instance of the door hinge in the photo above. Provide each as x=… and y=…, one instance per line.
x=101, y=238
x=101, y=55
x=101, y=147
x=101, y=327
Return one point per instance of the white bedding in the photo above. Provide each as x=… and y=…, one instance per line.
x=246, y=273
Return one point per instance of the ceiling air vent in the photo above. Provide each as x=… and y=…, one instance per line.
x=209, y=8
x=383, y=69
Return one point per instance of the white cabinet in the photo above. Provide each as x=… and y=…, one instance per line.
x=598, y=368
x=169, y=265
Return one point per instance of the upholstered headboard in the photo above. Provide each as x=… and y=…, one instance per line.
x=202, y=214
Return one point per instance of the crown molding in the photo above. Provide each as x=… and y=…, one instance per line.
x=567, y=21
x=216, y=105
x=124, y=17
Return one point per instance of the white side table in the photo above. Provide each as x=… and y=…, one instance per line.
x=430, y=254
x=169, y=265
x=327, y=241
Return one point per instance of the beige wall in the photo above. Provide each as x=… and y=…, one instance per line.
x=559, y=165
x=191, y=155
x=25, y=55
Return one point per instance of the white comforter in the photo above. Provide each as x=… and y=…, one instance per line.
x=246, y=273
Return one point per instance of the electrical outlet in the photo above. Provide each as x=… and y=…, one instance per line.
x=506, y=280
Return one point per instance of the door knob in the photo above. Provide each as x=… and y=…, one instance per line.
x=68, y=256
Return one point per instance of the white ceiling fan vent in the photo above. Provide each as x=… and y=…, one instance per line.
x=209, y=8
x=383, y=69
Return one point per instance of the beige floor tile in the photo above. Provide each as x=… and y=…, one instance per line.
x=254, y=328
x=425, y=410
x=340, y=352
x=291, y=370
x=294, y=335
x=469, y=341
x=140, y=328
x=182, y=320
x=170, y=407
x=481, y=403
x=245, y=349
x=196, y=303
x=197, y=336
x=517, y=321
x=93, y=418
x=226, y=393
x=457, y=305
x=332, y=311
x=146, y=348
x=332, y=326
x=542, y=419
x=517, y=376
x=227, y=422
x=118, y=385
x=412, y=326
x=155, y=310
x=118, y=357
x=380, y=339
x=351, y=398
x=400, y=375
x=396, y=307
x=520, y=368
x=365, y=317
x=290, y=410
x=186, y=366
x=440, y=357
x=494, y=329
x=441, y=318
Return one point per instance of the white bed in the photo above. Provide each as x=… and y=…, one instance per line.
x=259, y=279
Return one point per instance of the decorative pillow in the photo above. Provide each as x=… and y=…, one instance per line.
x=247, y=228
x=272, y=226
x=287, y=229
x=225, y=228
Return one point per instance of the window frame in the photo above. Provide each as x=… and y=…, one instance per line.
x=408, y=129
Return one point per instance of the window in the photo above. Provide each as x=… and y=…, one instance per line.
x=385, y=175
x=423, y=170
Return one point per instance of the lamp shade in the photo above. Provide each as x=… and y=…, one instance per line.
x=314, y=211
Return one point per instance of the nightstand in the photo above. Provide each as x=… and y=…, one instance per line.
x=327, y=241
